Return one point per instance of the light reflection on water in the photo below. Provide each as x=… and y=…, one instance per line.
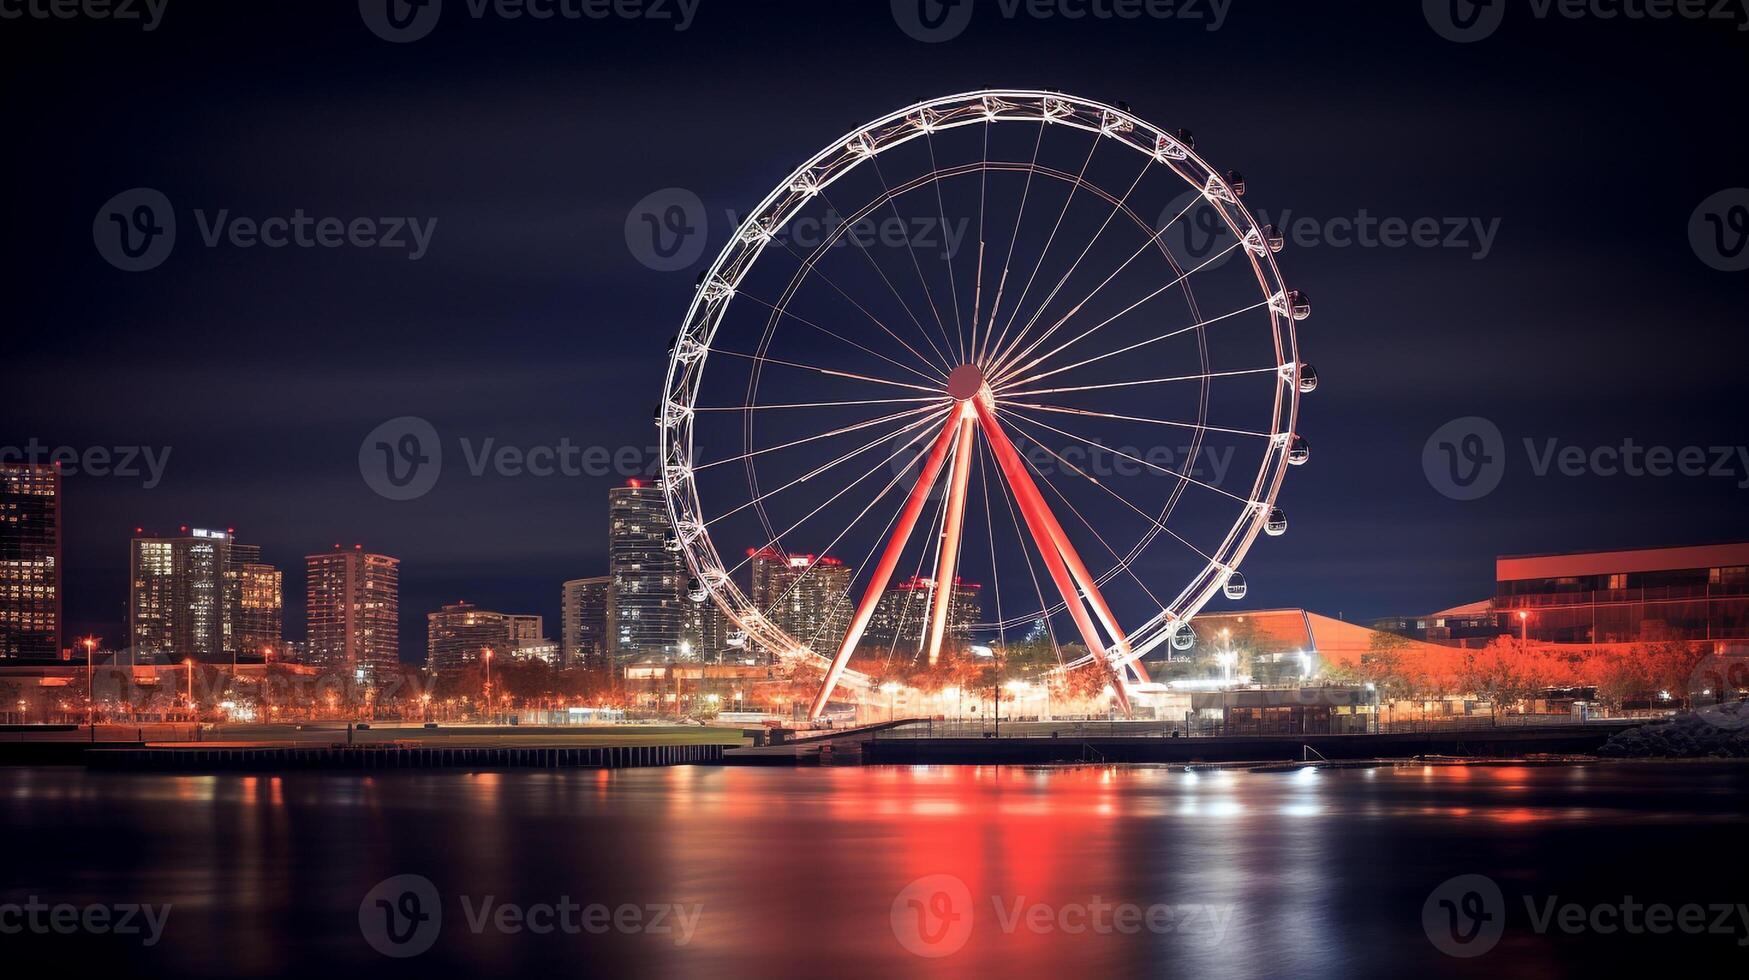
x=1324, y=871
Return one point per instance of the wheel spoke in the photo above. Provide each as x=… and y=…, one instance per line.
x=782, y=311
x=1050, y=239
x=959, y=329
x=812, y=264
x=895, y=481
x=995, y=573
x=1046, y=611
x=1143, y=343
x=1153, y=240
x=911, y=250
x=1170, y=379
x=841, y=430
x=838, y=404
x=822, y=468
x=1186, y=477
x=1005, y=370
x=830, y=372
x=1020, y=215
x=946, y=362
x=1117, y=208
x=983, y=195
x=779, y=536
x=1006, y=403
x=1117, y=496
x=1119, y=563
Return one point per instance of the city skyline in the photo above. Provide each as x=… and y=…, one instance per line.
x=208, y=595
x=244, y=618
x=1372, y=537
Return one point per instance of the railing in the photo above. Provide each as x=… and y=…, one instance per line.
x=1667, y=593
x=112, y=734
x=1196, y=728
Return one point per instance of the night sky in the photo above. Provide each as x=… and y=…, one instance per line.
x=1586, y=144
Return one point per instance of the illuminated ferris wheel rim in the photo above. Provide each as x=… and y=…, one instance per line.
x=717, y=289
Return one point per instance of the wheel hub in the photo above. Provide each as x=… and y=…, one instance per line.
x=965, y=382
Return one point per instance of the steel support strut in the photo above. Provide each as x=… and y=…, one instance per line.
x=1089, y=587
x=947, y=568
x=889, y=558
x=1058, y=554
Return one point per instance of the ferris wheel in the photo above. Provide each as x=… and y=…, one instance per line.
x=1005, y=364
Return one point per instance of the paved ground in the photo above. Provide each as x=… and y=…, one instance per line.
x=326, y=733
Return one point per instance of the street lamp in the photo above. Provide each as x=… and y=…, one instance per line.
x=90, y=644
x=1228, y=659
x=1523, y=626
x=890, y=689
x=189, y=664
x=487, y=656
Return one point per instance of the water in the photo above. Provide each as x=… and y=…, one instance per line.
x=796, y=872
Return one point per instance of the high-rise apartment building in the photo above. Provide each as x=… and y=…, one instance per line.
x=542, y=649
x=808, y=596
x=460, y=633
x=583, y=636
x=237, y=555
x=260, y=610
x=353, y=610
x=186, y=598
x=525, y=628
x=707, y=635
x=30, y=560
x=649, y=613
x=902, y=612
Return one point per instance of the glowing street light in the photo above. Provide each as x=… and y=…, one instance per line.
x=891, y=690
x=487, y=657
x=90, y=645
x=1523, y=626
x=1227, y=659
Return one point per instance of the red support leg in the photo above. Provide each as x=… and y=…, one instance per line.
x=948, y=565
x=1048, y=537
x=1090, y=587
x=889, y=560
